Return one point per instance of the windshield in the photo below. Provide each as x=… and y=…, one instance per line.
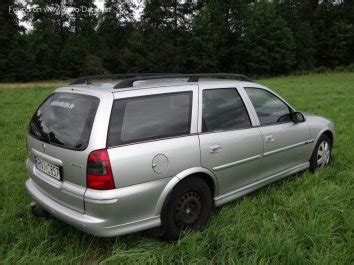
x=65, y=119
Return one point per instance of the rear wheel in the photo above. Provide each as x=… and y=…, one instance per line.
x=321, y=155
x=188, y=207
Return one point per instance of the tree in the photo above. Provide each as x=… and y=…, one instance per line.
x=209, y=39
x=341, y=43
x=347, y=11
x=116, y=24
x=46, y=47
x=9, y=39
x=83, y=19
x=327, y=13
x=154, y=14
x=164, y=30
x=73, y=56
x=267, y=44
x=76, y=55
x=299, y=16
x=48, y=37
x=305, y=51
x=238, y=14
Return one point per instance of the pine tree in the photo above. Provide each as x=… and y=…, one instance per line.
x=80, y=48
x=82, y=17
x=116, y=24
x=325, y=17
x=267, y=44
x=209, y=39
x=238, y=14
x=47, y=38
x=9, y=35
x=341, y=43
x=299, y=15
x=164, y=30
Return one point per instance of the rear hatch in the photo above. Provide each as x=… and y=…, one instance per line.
x=59, y=134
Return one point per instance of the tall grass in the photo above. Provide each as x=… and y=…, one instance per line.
x=307, y=218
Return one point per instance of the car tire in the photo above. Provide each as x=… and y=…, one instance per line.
x=321, y=156
x=188, y=207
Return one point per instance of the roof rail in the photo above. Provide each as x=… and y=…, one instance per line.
x=191, y=78
x=86, y=79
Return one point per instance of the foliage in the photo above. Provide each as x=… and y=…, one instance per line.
x=267, y=49
x=9, y=37
x=246, y=36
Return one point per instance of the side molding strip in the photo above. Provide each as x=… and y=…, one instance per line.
x=287, y=147
x=236, y=162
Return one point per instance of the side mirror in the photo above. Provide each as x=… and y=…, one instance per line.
x=297, y=117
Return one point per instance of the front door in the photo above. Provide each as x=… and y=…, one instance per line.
x=285, y=142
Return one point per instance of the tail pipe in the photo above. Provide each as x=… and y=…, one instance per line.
x=38, y=211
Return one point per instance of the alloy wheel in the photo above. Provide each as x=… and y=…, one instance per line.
x=323, y=154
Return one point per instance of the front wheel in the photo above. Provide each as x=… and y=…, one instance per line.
x=189, y=206
x=321, y=155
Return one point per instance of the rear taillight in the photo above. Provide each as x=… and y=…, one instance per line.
x=99, y=172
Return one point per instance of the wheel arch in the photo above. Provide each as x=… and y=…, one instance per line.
x=325, y=131
x=329, y=133
x=201, y=172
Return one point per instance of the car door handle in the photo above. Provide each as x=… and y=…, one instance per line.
x=269, y=138
x=214, y=149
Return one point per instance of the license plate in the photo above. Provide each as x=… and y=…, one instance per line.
x=48, y=168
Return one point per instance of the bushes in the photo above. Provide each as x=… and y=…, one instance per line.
x=326, y=70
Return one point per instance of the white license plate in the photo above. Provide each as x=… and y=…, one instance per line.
x=48, y=168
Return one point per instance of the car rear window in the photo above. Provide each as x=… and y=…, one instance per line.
x=150, y=117
x=65, y=119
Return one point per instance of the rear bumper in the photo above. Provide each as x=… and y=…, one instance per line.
x=93, y=225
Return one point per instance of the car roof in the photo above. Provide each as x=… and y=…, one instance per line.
x=109, y=86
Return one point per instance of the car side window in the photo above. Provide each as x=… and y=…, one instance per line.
x=223, y=109
x=270, y=109
x=150, y=117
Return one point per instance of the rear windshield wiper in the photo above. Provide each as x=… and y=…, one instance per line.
x=38, y=132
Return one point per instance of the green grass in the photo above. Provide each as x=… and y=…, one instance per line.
x=307, y=218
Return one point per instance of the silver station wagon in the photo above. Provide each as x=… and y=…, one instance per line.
x=160, y=151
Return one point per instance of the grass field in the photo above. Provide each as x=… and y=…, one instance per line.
x=307, y=218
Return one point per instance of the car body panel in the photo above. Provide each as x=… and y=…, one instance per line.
x=230, y=196
x=239, y=159
x=318, y=125
x=88, y=223
x=285, y=146
x=64, y=192
x=125, y=205
x=174, y=150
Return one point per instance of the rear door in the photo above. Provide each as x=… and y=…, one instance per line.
x=59, y=140
x=230, y=146
x=285, y=142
